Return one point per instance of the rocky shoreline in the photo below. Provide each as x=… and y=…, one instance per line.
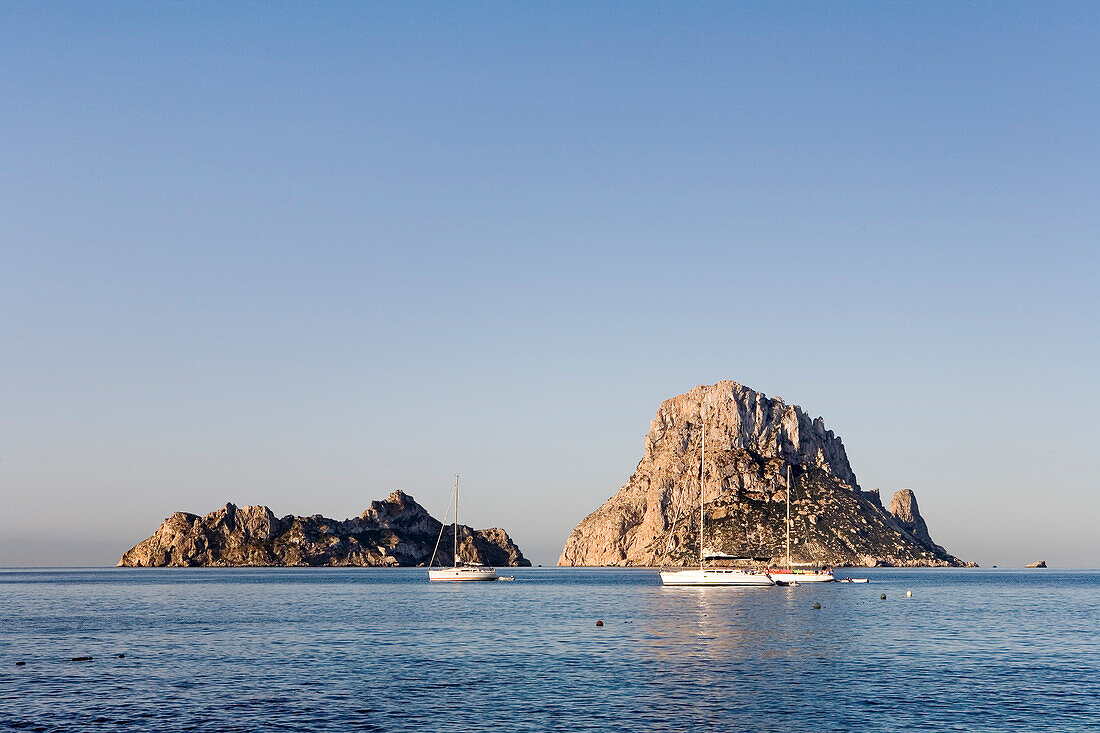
x=395, y=532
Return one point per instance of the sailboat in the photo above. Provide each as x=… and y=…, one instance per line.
x=704, y=575
x=460, y=570
x=788, y=575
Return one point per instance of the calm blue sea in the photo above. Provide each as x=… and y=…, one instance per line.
x=374, y=649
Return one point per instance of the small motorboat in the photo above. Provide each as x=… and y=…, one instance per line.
x=853, y=580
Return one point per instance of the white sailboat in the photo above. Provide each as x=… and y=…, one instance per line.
x=790, y=575
x=711, y=575
x=461, y=571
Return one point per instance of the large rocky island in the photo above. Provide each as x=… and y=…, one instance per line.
x=393, y=532
x=751, y=440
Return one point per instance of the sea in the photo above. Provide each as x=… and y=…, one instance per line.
x=320, y=649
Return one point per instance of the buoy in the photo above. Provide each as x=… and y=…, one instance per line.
x=20, y=664
x=817, y=606
x=82, y=659
x=883, y=596
x=599, y=623
x=908, y=594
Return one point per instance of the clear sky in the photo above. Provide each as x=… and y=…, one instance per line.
x=302, y=254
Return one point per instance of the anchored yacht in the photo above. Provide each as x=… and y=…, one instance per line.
x=704, y=575
x=790, y=575
x=461, y=570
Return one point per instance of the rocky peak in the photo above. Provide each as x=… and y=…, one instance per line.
x=751, y=442
x=903, y=507
x=738, y=418
x=400, y=511
x=257, y=522
x=253, y=522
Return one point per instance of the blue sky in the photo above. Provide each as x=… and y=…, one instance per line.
x=303, y=254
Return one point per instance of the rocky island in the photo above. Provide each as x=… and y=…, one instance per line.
x=393, y=532
x=751, y=440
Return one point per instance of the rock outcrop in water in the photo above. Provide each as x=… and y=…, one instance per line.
x=751, y=440
x=393, y=532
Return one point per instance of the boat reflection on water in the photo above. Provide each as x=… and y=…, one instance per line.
x=739, y=624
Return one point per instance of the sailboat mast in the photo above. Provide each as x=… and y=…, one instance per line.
x=702, y=459
x=456, y=522
x=788, y=516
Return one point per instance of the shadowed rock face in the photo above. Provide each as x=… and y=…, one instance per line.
x=393, y=532
x=750, y=442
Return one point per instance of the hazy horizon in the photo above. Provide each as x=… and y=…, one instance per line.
x=545, y=554
x=305, y=255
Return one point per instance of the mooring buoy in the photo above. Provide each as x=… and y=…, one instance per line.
x=817, y=606
x=599, y=623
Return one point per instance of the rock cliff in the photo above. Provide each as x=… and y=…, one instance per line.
x=904, y=509
x=751, y=440
x=393, y=532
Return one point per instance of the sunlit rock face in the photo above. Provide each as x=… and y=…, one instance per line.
x=393, y=532
x=751, y=441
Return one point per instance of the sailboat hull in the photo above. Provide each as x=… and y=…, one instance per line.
x=786, y=577
x=462, y=574
x=714, y=576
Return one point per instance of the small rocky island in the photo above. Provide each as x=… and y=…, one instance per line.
x=394, y=532
x=751, y=440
